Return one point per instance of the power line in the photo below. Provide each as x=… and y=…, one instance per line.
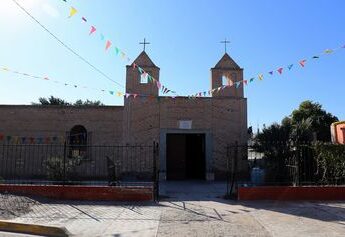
x=66, y=46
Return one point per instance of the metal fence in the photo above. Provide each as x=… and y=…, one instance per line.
x=78, y=164
x=282, y=163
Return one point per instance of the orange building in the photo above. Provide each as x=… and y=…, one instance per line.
x=338, y=132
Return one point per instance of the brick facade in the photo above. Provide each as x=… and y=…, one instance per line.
x=144, y=119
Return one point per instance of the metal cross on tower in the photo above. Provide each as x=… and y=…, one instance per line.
x=225, y=42
x=144, y=43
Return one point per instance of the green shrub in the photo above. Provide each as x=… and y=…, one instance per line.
x=58, y=170
x=330, y=161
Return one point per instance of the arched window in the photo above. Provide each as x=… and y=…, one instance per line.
x=144, y=78
x=225, y=81
x=78, y=141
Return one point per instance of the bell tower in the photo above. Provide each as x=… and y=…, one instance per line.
x=140, y=82
x=225, y=74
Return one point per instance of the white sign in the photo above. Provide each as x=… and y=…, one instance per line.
x=185, y=124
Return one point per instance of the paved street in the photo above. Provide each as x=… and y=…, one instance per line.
x=189, y=213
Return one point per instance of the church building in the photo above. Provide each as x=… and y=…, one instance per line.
x=193, y=134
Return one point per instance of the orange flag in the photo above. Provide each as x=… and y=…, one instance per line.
x=302, y=62
x=107, y=45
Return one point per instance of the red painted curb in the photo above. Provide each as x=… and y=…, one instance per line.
x=291, y=193
x=90, y=193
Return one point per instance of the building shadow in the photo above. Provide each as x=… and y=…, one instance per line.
x=182, y=192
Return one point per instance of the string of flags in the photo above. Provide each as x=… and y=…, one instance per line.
x=280, y=70
x=110, y=92
x=237, y=84
x=31, y=140
x=109, y=44
x=75, y=138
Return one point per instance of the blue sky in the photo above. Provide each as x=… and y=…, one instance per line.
x=184, y=38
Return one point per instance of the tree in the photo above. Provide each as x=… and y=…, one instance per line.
x=51, y=101
x=279, y=143
x=315, y=120
x=88, y=103
x=273, y=143
x=304, y=124
x=57, y=101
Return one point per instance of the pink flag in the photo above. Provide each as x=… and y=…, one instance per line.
x=159, y=85
x=93, y=29
x=280, y=70
x=135, y=96
x=302, y=62
x=128, y=95
x=245, y=82
x=134, y=65
x=107, y=45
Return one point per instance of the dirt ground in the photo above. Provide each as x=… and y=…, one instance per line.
x=12, y=206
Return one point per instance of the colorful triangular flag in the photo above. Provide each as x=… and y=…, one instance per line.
x=261, y=77
x=159, y=85
x=117, y=50
x=92, y=30
x=280, y=70
x=72, y=12
x=290, y=66
x=271, y=72
x=231, y=83
x=251, y=79
x=107, y=45
x=140, y=70
x=328, y=51
x=302, y=62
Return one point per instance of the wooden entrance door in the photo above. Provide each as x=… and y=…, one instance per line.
x=185, y=156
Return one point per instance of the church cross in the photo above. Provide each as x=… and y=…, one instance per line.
x=144, y=43
x=225, y=42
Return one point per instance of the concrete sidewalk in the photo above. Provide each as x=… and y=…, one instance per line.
x=190, y=212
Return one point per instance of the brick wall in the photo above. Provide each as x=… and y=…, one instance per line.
x=225, y=117
x=105, y=122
